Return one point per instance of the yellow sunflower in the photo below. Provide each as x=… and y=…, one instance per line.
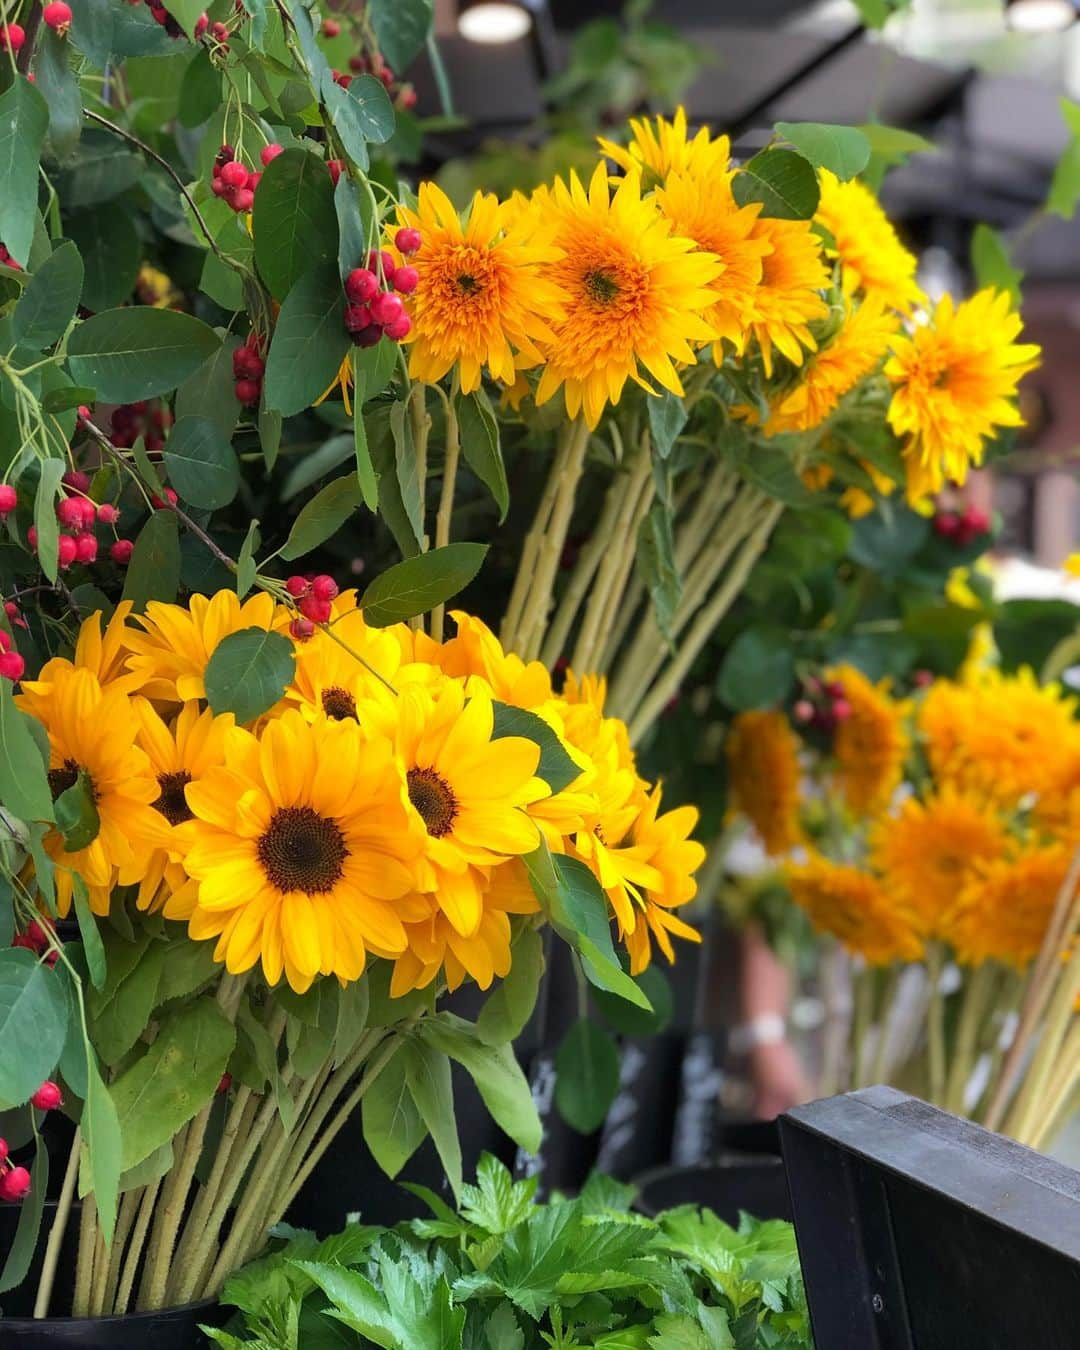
x=763, y=777
x=335, y=673
x=1004, y=909
x=833, y=371
x=475, y=651
x=954, y=384
x=635, y=292
x=873, y=259
x=170, y=655
x=486, y=295
x=93, y=731
x=704, y=210
x=788, y=297
x=180, y=753
x=664, y=844
x=303, y=850
x=870, y=744
x=104, y=654
x=930, y=849
x=467, y=792
x=663, y=147
x=854, y=908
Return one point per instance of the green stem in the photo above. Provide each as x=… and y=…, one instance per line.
x=935, y=1024
x=446, y=499
x=58, y=1229
x=980, y=983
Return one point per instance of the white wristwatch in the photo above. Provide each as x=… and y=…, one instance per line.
x=765, y=1029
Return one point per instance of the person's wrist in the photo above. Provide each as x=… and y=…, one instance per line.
x=768, y=1028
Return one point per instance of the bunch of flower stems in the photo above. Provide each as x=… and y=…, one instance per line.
x=1010, y=1056
x=179, y=1236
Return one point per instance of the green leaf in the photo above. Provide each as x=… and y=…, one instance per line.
x=24, y=788
x=419, y=584
x=294, y=223
x=24, y=116
x=667, y=417
x=399, y=519
x=631, y=1020
x=101, y=1132
x=248, y=672
x=310, y=468
x=427, y=1073
x=48, y=304
x=782, y=180
x=506, y=1011
x=992, y=265
x=186, y=967
x=1065, y=184
x=494, y=1070
x=174, y=1080
x=200, y=92
x=60, y=89
x=202, y=464
x=401, y=28
x=888, y=539
x=110, y=249
x=479, y=433
x=323, y=516
x=246, y=567
x=656, y=561
x=93, y=948
x=874, y=13
x=372, y=369
x=209, y=394
x=393, y=1126
x=76, y=814
x=118, y=1012
x=366, y=476
x=135, y=353
x=66, y=398
x=45, y=522
x=556, y=768
x=844, y=151
x=309, y=342
x=374, y=111
x=20, y=1255
x=154, y=570
x=356, y=230
x=354, y=1001
x=407, y=470
x=33, y=1023
x=587, y=1069
x=758, y=670
x=890, y=146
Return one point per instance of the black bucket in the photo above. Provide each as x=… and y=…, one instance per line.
x=169, y=1329
x=754, y=1183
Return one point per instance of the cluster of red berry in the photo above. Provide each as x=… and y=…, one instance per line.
x=961, y=527
x=248, y=367
x=12, y=37
x=374, y=311
x=15, y=1181
x=233, y=182
x=314, y=595
x=404, y=95
x=129, y=421
x=58, y=16
x=823, y=705
x=40, y=939
x=5, y=256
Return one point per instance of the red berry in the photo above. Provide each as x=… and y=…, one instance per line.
x=357, y=317
x=170, y=499
x=947, y=525
x=342, y=79
x=387, y=76
x=86, y=548
x=69, y=512
x=66, y=550
x=108, y=514
x=400, y=328
x=243, y=200
x=3, y=1151
x=14, y=1184
x=318, y=611
x=922, y=678
x=202, y=23
x=368, y=337
x=219, y=32
x=841, y=710
x=408, y=240
x=225, y=1082
x=12, y=37
x=31, y=537
x=84, y=413
x=978, y=522
x=247, y=364
x=386, y=308
x=302, y=629
x=11, y=609
x=48, y=1097
x=406, y=98
x=58, y=16
x=5, y=640
x=159, y=14
x=234, y=173
x=12, y=665
x=406, y=280
x=334, y=167
x=331, y=28
x=357, y=64
x=218, y=188
x=247, y=392
x=271, y=151
x=378, y=260
x=324, y=587
x=76, y=479
x=297, y=585
x=361, y=285
x=803, y=711
x=8, y=499
x=121, y=551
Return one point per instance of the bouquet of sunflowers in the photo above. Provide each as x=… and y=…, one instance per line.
x=935, y=836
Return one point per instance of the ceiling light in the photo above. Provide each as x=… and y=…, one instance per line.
x=492, y=20
x=1040, y=16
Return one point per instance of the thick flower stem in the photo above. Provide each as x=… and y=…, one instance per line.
x=980, y=984
x=935, y=1024
x=58, y=1229
x=84, y=1269
x=530, y=550
x=880, y=1065
x=446, y=498
x=1025, y=1117
x=125, y=1220
x=135, y=1247
x=152, y=1294
x=619, y=594
x=863, y=1017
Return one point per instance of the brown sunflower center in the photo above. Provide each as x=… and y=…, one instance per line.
x=66, y=776
x=338, y=703
x=302, y=851
x=434, y=799
x=171, y=801
x=601, y=285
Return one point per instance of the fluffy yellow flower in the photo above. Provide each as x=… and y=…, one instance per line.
x=635, y=294
x=483, y=298
x=663, y=147
x=664, y=844
x=854, y=908
x=763, y=777
x=928, y=850
x=171, y=654
x=303, y=850
x=870, y=745
x=1003, y=911
x=788, y=297
x=93, y=731
x=873, y=259
x=954, y=384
